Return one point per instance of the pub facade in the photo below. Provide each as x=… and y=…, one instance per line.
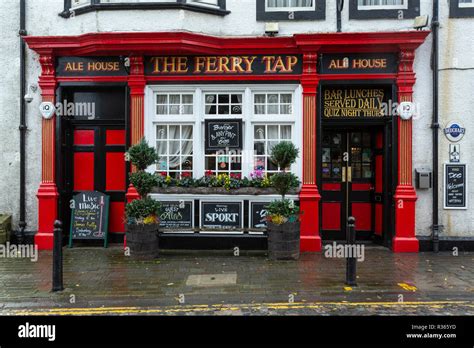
x=177, y=89
x=212, y=91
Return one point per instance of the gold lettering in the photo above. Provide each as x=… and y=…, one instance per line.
x=291, y=61
x=268, y=60
x=211, y=65
x=248, y=61
x=199, y=64
x=182, y=65
x=77, y=66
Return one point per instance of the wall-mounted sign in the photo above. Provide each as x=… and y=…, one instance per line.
x=224, y=65
x=454, y=153
x=47, y=110
x=358, y=63
x=223, y=134
x=221, y=215
x=455, y=186
x=454, y=131
x=176, y=215
x=258, y=214
x=355, y=102
x=89, y=216
x=90, y=66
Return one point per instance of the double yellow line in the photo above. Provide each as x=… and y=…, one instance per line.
x=229, y=308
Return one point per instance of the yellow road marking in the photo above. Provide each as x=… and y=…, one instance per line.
x=231, y=308
x=407, y=287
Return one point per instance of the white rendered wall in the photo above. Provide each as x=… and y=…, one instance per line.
x=42, y=19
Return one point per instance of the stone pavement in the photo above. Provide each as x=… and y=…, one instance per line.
x=104, y=281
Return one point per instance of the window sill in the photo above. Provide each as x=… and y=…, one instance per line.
x=144, y=6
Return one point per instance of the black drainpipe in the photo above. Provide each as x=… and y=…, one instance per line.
x=23, y=128
x=435, y=125
x=340, y=6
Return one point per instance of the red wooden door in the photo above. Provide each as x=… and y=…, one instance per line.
x=98, y=164
x=349, y=178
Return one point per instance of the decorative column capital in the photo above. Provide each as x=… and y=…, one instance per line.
x=309, y=80
x=47, y=80
x=310, y=62
x=136, y=80
x=406, y=77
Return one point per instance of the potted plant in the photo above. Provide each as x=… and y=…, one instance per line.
x=143, y=214
x=283, y=216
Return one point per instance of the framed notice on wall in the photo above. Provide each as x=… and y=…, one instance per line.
x=455, y=186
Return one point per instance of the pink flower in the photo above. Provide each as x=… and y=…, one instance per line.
x=257, y=174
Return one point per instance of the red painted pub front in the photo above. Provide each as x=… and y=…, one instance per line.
x=345, y=79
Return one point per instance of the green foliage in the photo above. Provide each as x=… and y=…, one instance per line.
x=143, y=182
x=139, y=210
x=284, y=154
x=282, y=211
x=283, y=182
x=142, y=155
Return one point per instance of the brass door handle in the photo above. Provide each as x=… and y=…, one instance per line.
x=344, y=174
x=349, y=174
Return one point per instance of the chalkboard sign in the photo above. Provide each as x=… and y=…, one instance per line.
x=258, y=214
x=177, y=215
x=223, y=134
x=455, y=186
x=89, y=216
x=221, y=215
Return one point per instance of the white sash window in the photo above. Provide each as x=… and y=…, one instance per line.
x=175, y=124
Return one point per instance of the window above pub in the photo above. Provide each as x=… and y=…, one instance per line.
x=280, y=10
x=76, y=7
x=461, y=8
x=384, y=9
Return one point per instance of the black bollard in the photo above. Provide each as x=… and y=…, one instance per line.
x=351, y=261
x=58, y=257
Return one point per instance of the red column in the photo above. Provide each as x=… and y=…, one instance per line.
x=47, y=192
x=137, y=84
x=405, y=195
x=309, y=195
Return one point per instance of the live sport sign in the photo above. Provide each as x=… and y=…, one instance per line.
x=221, y=215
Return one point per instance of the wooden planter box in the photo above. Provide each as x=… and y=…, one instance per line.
x=143, y=241
x=284, y=241
x=5, y=228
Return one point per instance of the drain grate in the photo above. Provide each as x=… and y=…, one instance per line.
x=212, y=279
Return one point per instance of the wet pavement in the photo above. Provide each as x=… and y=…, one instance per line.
x=105, y=281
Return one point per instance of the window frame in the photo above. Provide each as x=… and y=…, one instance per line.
x=168, y=141
x=289, y=9
x=248, y=119
x=96, y=5
x=411, y=11
x=404, y=6
x=457, y=11
x=294, y=13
